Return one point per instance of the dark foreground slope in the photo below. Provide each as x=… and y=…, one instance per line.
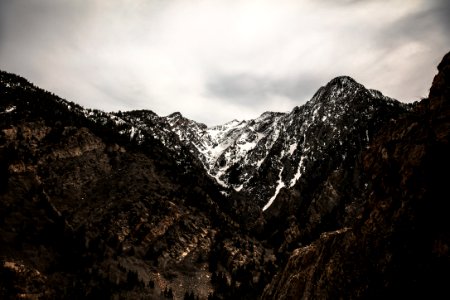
x=85, y=212
x=399, y=247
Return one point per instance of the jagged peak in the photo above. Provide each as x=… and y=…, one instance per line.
x=336, y=87
x=141, y=112
x=376, y=93
x=233, y=122
x=344, y=79
x=271, y=114
x=176, y=114
x=175, y=118
x=339, y=82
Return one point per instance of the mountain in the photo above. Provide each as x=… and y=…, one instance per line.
x=296, y=153
x=399, y=245
x=337, y=198
x=87, y=212
x=258, y=158
x=263, y=155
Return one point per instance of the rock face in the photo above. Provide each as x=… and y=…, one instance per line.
x=85, y=213
x=399, y=246
x=342, y=197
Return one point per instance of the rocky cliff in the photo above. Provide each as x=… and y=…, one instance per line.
x=399, y=245
x=87, y=213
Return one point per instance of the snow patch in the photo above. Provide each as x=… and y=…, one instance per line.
x=239, y=188
x=9, y=109
x=298, y=174
x=220, y=181
x=292, y=148
x=133, y=132
x=247, y=146
x=259, y=162
x=277, y=190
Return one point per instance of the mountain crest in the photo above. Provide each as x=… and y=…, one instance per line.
x=176, y=114
x=342, y=80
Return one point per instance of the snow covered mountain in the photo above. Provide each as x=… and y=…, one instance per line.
x=259, y=157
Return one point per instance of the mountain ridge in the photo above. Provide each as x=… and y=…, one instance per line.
x=132, y=204
x=220, y=148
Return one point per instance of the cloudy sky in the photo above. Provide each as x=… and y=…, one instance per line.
x=219, y=60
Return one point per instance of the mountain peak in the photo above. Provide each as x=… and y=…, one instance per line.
x=267, y=114
x=336, y=88
x=176, y=114
x=343, y=81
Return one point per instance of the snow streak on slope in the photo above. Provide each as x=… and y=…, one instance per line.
x=280, y=185
x=298, y=174
x=221, y=147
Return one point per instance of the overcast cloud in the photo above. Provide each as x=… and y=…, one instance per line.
x=219, y=60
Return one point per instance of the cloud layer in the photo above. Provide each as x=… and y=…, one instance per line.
x=219, y=60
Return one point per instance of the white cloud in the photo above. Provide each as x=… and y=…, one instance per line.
x=163, y=55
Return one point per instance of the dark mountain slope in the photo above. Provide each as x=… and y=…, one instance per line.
x=87, y=212
x=330, y=133
x=398, y=248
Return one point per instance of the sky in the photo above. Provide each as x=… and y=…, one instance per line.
x=218, y=60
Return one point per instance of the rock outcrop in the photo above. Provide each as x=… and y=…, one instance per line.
x=86, y=213
x=399, y=245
